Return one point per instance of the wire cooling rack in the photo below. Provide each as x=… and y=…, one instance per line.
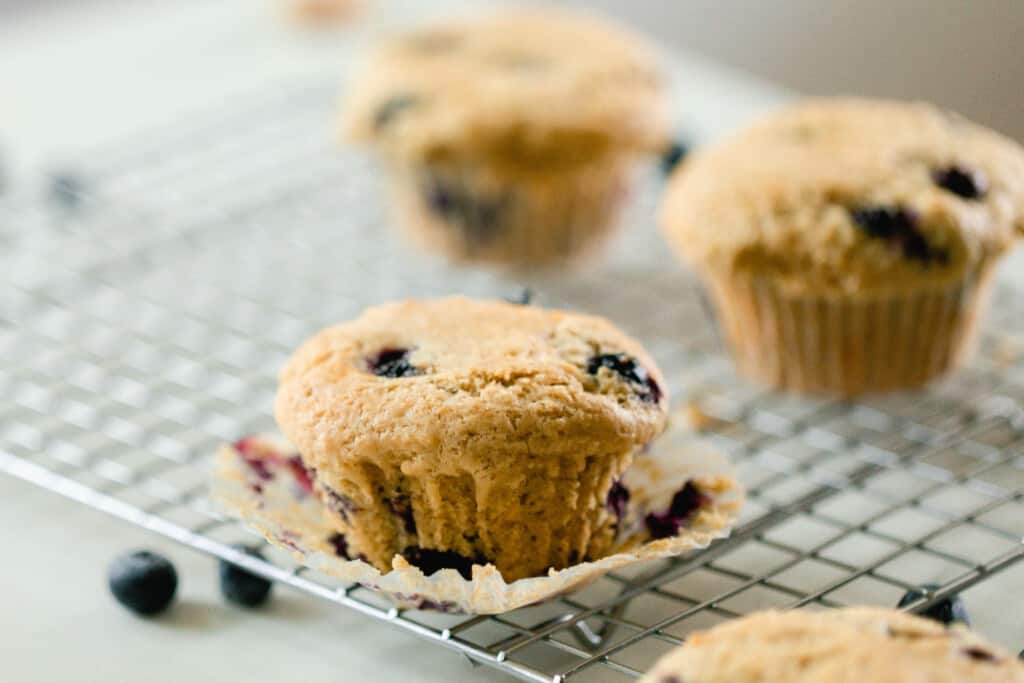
x=148, y=302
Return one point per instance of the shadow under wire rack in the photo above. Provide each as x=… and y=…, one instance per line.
x=149, y=299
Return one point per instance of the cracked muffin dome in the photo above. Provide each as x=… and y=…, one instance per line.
x=837, y=646
x=848, y=195
x=516, y=85
x=455, y=431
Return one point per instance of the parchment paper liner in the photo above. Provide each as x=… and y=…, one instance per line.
x=282, y=510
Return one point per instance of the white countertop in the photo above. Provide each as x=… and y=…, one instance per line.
x=79, y=75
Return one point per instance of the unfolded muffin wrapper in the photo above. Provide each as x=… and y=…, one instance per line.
x=470, y=214
x=848, y=346
x=275, y=499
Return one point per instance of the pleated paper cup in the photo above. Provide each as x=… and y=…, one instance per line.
x=482, y=214
x=845, y=345
x=273, y=496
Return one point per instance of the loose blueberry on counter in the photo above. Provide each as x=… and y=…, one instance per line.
x=617, y=500
x=672, y=156
x=684, y=503
x=241, y=586
x=432, y=561
x=628, y=369
x=961, y=181
x=393, y=363
x=949, y=611
x=392, y=107
x=143, y=581
x=899, y=226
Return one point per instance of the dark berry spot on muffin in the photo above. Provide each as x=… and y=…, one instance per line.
x=687, y=501
x=431, y=561
x=340, y=545
x=339, y=502
x=671, y=679
x=899, y=227
x=392, y=107
x=961, y=181
x=629, y=370
x=617, y=500
x=524, y=297
x=393, y=363
x=672, y=156
x=949, y=611
x=980, y=654
x=401, y=508
x=302, y=475
x=479, y=218
x=256, y=463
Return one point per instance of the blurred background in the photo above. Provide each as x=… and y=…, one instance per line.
x=964, y=55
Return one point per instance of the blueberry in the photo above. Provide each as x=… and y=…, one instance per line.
x=430, y=561
x=524, y=298
x=393, y=363
x=898, y=226
x=961, y=181
x=478, y=217
x=949, y=611
x=339, y=502
x=628, y=369
x=392, y=108
x=340, y=545
x=241, y=586
x=403, y=510
x=684, y=504
x=143, y=581
x=672, y=156
x=979, y=654
x=617, y=500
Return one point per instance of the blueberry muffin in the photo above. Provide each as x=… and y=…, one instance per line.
x=848, y=645
x=849, y=244
x=455, y=432
x=512, y=138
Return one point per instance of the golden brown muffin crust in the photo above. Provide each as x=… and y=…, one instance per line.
x=784, y=199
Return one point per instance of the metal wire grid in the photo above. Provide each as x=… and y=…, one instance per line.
x=144, y=321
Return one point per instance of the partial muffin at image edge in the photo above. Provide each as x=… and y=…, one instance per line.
x=849, y=245
x=510, y=138
x=851, y=644
x=455, y=432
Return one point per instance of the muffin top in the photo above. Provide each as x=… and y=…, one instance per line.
x=436, y=379
x=525, y=87
x=853, y=645
x=849, y=196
